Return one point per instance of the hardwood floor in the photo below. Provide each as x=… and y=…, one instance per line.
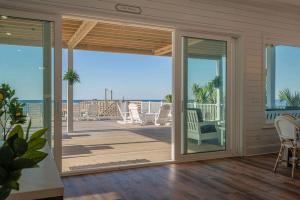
x=232, y=178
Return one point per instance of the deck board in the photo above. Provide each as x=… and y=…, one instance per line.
x=95, y=144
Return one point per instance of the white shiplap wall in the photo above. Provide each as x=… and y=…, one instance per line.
x=251, y=21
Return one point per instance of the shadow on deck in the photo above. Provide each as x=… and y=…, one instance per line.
x=96, y=144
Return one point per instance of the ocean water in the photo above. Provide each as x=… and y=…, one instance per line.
x=278, y=103
x=78, y=101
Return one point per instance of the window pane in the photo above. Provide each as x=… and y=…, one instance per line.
x=205, y=89
x=282, y=74
x=25, y=64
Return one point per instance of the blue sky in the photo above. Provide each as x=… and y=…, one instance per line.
x=129, y=76
x=20, y=67
x=287, y=68
x=200, y=71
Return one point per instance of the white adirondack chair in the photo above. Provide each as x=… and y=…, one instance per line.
x=137, y=117
x=202, y=130
x=126, y=119
x=163, y=117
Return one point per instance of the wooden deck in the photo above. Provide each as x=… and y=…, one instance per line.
x=97, y=144
x=103, y=144
x=232, y=178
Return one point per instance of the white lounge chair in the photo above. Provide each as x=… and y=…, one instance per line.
x=125, y=115
x=202, y=130
x=139, y=118
x=162, y=118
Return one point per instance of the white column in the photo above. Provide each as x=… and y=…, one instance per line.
x=219, y=73
x=47, y=105
x=70, y=95
x=270, y=79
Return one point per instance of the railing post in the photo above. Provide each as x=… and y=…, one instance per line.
x=47, y=104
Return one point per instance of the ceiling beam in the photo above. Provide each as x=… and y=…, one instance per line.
x=114, y=49
x=164, y=50
x=168, y=49
x=80, y=33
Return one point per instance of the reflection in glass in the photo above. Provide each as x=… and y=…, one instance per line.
x=205, y=90
x=25, y=64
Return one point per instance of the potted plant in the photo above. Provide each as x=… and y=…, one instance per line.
x=71, y=76
x=18, y=150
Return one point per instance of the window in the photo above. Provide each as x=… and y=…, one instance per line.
x=282, y=81
x=26, y=66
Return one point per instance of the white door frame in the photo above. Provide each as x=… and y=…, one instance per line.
x=56, y=19
x=178, y=91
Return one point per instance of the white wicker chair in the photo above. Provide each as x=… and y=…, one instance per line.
x=195, y=124
x=287, y=130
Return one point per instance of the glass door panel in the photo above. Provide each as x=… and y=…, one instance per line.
x=204, y=63
x=25, y=64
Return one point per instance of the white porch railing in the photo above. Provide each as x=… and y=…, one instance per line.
x=209, y=111
x=35, y=110
x=150, y=106
x=272, y=114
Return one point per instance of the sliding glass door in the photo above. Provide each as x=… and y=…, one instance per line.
x=26, y=66
x=204, y=94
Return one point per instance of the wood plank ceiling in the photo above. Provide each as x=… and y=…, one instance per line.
x=102, y=36
x=17, y=31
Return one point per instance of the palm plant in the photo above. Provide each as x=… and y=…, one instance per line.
x=212, y=93
x=168, y=98
x=72, y=76
x=206, y=94
x=200, y=93
x=291, y=99
x=216, y=82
